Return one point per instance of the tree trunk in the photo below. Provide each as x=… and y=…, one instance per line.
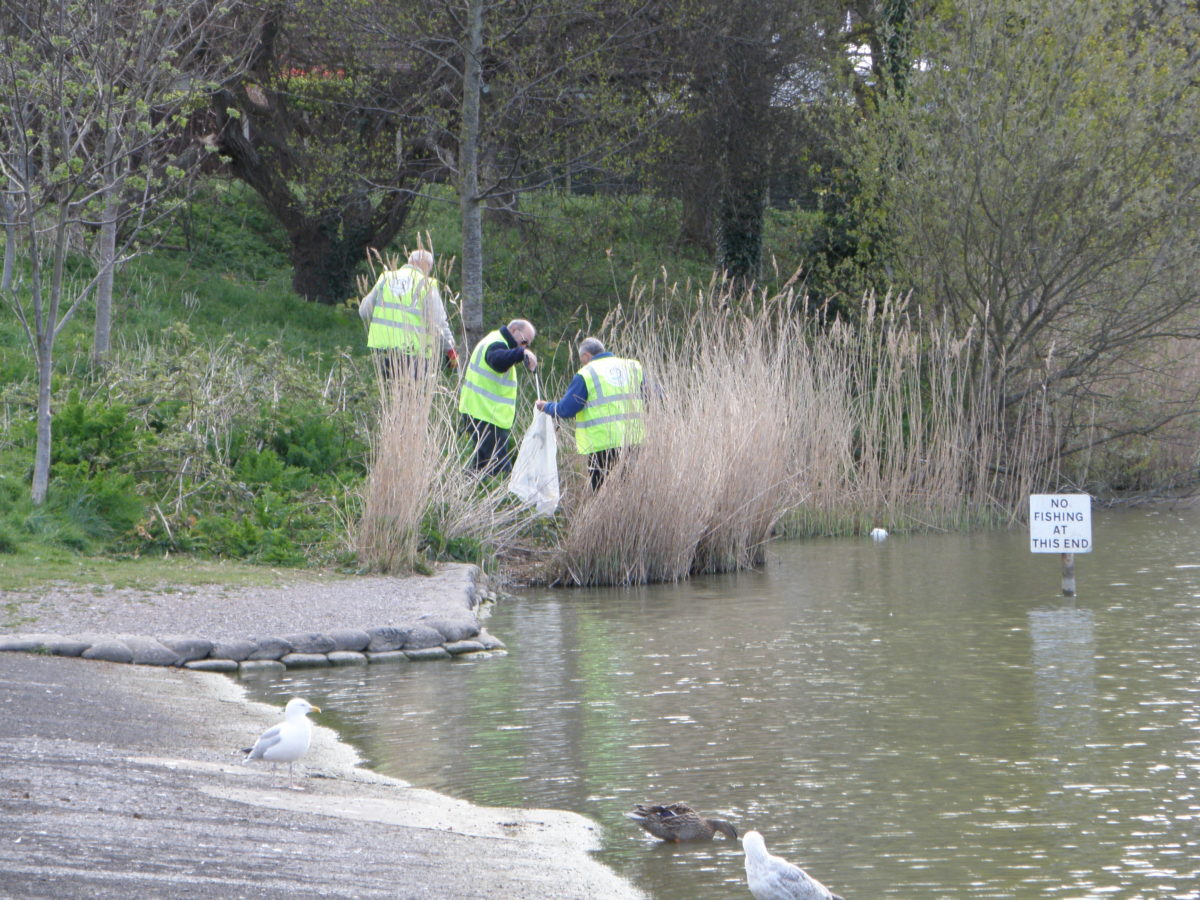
x=102, y=339
x=41, y=457
x=746, y=149
x=10, y=243
x=699, y=172
x=327, y=246
x=740, y=227
x=468, y=169
x=324, y=263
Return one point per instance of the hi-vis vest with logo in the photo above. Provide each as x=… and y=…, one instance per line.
x=488, y=395
x=612, y=416
x=399, y=319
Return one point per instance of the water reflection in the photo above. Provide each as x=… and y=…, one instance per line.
x=1064, y=665
x=921, y=716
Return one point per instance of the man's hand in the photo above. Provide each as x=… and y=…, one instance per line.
x=530, y=360
x=540, y=404
x=452, y=358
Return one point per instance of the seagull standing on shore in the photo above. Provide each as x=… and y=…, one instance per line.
x=773, y=878
x=287, y=741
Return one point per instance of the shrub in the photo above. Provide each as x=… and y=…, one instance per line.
x=315, y=442
x=105, y=506
x=92, y=435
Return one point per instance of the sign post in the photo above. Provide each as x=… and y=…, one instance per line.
x=1061, y=523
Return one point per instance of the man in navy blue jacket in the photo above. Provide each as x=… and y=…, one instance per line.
x=605, y=399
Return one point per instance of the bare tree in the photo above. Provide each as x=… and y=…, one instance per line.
x=90, y=93
x=327, y=126
x=10, y=241
x=529, y=95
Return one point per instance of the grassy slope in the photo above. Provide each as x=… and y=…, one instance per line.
x=223, y=272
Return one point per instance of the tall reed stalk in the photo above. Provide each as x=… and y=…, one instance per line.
x=702, y=493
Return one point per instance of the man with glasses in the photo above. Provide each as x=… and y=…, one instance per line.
x=488, y=401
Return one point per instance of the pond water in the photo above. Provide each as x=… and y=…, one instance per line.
x=925, y=716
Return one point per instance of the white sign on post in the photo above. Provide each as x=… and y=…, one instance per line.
x=1060, y=523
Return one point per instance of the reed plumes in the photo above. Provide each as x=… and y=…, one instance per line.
x=419, y=493
x=404, y=457
x=702, y=493
x=762, y=420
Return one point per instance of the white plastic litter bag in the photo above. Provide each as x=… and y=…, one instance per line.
x=535, y=473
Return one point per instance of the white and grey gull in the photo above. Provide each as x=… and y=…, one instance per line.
x=774, y=878
x=289, y=740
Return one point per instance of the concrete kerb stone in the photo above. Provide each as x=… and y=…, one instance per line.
x=346, y=658
x=238, y=651
x=189, y=648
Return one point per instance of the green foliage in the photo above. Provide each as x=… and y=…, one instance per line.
x=264, y=467
x=228, y=232
x=234, y=419
x=90, y=437
x=263, y=536
x=104, y=506
x=315, y=443
x=435, y=544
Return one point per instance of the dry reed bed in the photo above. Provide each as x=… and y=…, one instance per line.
x=760, y=421
x=418, y=483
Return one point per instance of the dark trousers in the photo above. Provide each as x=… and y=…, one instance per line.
x=492, y=453
x=600, y=463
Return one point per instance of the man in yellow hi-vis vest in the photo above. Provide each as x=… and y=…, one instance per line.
x=606, y=400
x=407, y=318
x=488, y=400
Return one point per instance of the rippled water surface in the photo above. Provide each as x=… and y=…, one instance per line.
x=922, y=717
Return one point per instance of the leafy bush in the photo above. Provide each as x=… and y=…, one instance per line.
x=264, y=467
x=90, y=435
x=315, y=442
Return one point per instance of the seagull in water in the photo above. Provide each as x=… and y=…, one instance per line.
x=287, y=741
x=773, y=878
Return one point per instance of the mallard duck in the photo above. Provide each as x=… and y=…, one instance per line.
x=773, y=878
x=287, y=741
x=679, y=822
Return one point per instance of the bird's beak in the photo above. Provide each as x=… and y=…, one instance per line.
x=316, y=709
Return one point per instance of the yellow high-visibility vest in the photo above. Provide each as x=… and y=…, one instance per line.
x=488, y=395
x=399, y=320
x=612, y=416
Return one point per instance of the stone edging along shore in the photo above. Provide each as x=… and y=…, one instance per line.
x=446, y=631
x=346, y=647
